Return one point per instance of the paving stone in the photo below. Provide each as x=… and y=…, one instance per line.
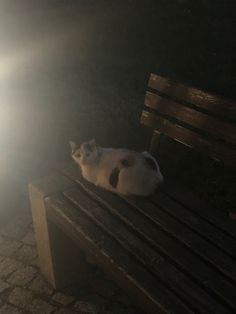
x=20, y=297
x=18, y=226
x=39, y=285
x=8, y=309
x=22, y=276
x=8, y=266
x=9, y=247
x=40, y=307
x=3, y=285
x=29, y=238
x=35, y=262
x=62, y=298
x=86, y=308
x=26, y=253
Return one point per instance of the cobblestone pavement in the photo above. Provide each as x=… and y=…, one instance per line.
x=23, y=290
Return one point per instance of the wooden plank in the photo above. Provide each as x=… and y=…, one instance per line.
x=215, y=127
x=191, y=202
x=193, y=241
x=196, y=223
x=180, y=92
x=129, y=240
x=189, y=138
x=60, y=265
x=206, y=276
x=177, y=281
x=152, y=295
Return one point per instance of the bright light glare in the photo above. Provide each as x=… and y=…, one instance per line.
x=40, y=51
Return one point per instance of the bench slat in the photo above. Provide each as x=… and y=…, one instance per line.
x=108, y=254
x=193, y=241
x=203, y=228
x=199, y=120
x=218, y=224
x=164, y=271
x=189, y=200
x=131, y=243
x=224, y=107
x=176, y=253
x=189, y=138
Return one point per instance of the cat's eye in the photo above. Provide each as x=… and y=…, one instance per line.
x=78, y=155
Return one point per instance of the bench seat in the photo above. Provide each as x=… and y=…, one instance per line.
x=170, y=252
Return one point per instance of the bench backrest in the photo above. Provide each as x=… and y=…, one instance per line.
x=200, y=120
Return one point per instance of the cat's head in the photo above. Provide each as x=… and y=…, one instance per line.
x=86, y=154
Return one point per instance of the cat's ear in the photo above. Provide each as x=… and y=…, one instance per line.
x=73, y=146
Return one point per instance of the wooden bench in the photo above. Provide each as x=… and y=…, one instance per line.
x=170, y=252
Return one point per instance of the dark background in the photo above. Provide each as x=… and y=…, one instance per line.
x=79, y=69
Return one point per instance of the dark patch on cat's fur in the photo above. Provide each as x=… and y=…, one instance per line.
x=127, y=162
x=114, y=177
x=151, y=163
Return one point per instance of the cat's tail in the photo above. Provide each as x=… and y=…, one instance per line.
x=152, y=163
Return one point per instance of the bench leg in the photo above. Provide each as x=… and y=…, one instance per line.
x=61, y=262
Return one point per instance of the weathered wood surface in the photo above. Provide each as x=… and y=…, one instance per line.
x=202, y=121
x=188, y=137
x=194, y=258
x=200, y=208
x=192, y=117
x=112, y=257
x=59, y=262
x=215, y=127
x=183, y=93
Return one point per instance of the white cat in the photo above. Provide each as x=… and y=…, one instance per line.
x=118, y=170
